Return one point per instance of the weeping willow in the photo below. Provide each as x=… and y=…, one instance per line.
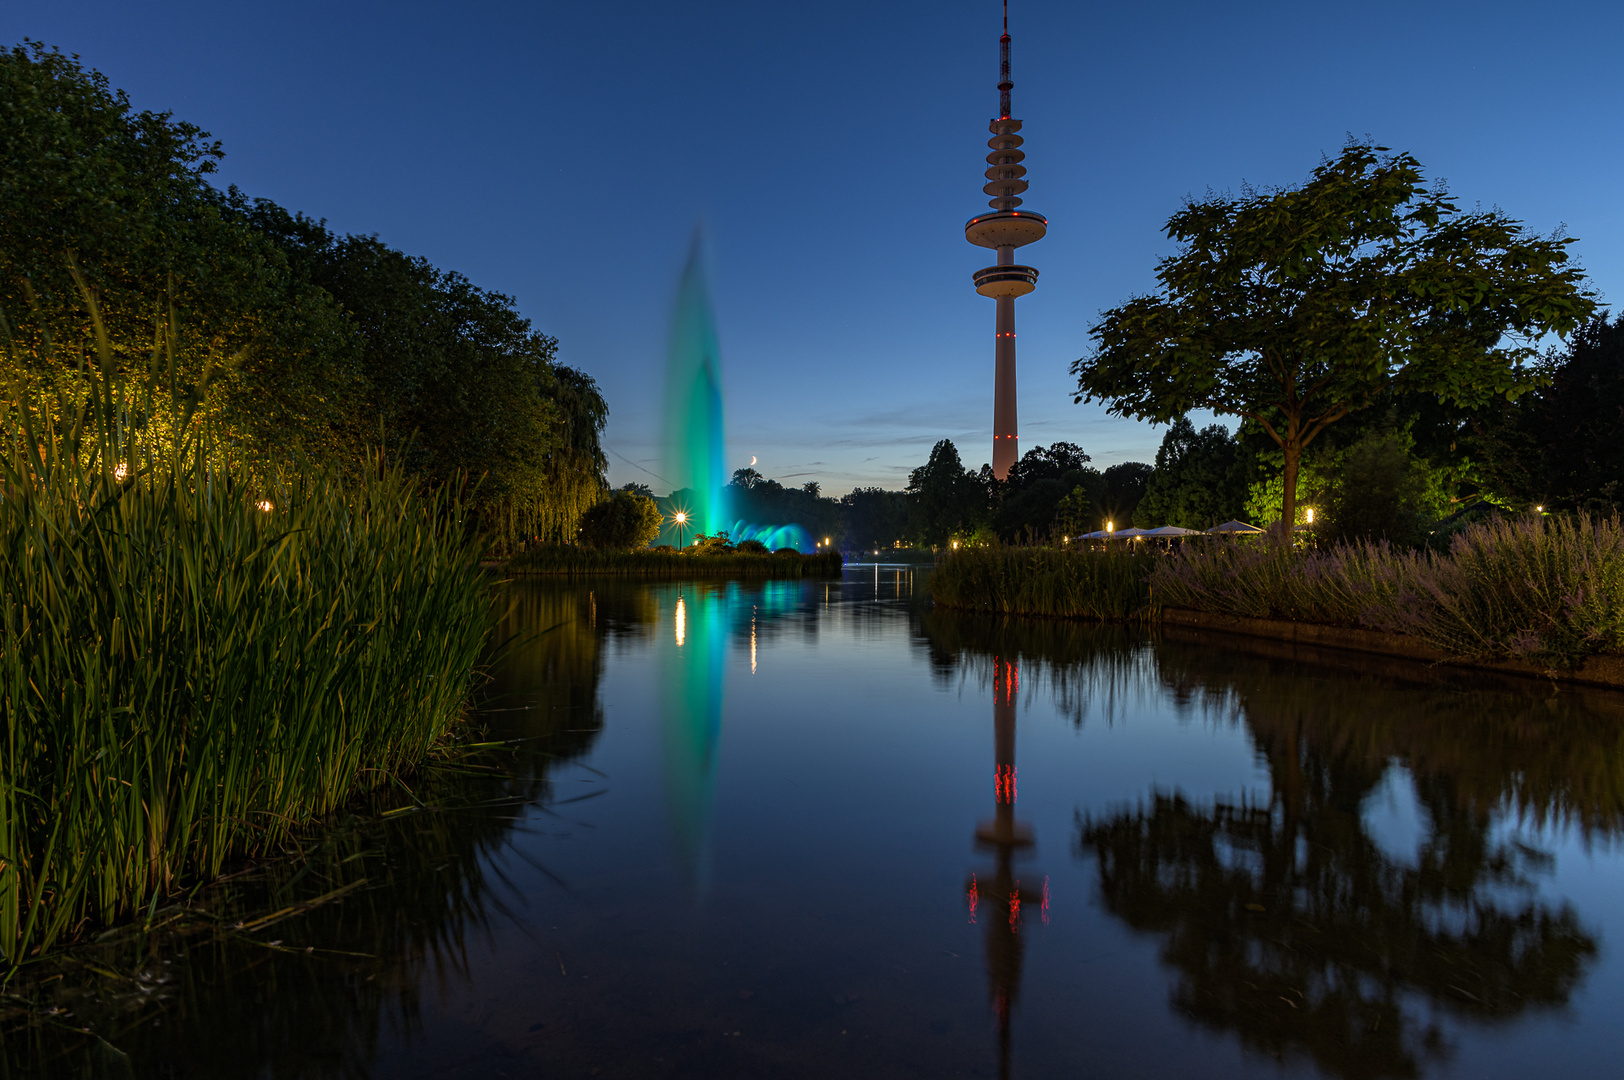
x=543, y=504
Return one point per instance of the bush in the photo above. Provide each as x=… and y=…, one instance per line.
x=623, y=522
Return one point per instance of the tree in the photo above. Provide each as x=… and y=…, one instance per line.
x=1295, y=307
x=874, y=518
x=1125, y=485
x=623, y=522
x=946, y=496
x=1199, y=480
x=1379, y=493
x=1560, y=445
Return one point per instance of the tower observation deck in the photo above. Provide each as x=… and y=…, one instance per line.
x=1005, y=229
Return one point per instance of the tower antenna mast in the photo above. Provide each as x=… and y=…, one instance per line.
x=1004, y=230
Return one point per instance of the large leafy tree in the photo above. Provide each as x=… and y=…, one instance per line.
x=1294, y=308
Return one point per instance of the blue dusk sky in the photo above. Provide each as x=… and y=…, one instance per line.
x=564, y=154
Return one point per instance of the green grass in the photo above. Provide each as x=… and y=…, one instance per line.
x=1109, y=586
x=580, y=562
x=185, y=677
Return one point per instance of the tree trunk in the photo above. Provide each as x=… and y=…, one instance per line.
x=1288, y=498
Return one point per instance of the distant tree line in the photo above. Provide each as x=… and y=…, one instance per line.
x=290, y=338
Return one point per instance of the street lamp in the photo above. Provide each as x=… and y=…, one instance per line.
x=680, y=519
x=1309, y=515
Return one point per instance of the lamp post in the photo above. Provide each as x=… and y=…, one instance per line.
x=680, y=520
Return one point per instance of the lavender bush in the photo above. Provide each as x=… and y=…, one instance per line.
x=1547, y=591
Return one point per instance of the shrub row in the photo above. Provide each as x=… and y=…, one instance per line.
x=655, y=563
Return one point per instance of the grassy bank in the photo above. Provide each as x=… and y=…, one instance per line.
x=579, y=562
x=195, y=664
x=1544, y=591
x=1110, y=586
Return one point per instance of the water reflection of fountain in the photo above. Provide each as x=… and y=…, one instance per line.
x=691, y=692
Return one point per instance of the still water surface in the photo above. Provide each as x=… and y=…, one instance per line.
x=818, y=829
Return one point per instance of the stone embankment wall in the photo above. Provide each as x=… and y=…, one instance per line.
x=1605, y=670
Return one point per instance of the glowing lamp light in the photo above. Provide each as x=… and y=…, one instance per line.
x=266, y=506
x=682, y=518
x=1539, y=509
x=120, y=471
x=955, y=545
x=1110, y=526
x=1309, y=515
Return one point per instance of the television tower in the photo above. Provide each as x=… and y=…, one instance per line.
x=1004, y=230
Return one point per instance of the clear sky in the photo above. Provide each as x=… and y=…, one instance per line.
x=564, y=153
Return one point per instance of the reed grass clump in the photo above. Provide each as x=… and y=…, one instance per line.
x=196, y=663
x=1110, y=585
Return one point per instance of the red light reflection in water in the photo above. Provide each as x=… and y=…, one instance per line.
x=1003, y=782
x=1006, y=681
x=974, y=896
x=1044, y=906
x=1015, y=909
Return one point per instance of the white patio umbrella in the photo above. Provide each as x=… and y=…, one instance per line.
x=1239, y=527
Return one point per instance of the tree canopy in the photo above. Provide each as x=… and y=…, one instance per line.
x=1295, y=307
x=292, y=337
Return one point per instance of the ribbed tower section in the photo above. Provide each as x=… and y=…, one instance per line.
x=1004, y=230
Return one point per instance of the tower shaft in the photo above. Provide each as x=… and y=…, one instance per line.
x=1006, y=446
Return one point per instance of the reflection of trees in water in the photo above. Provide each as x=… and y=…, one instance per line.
x=1287, y=923
x=1284, y=920
x=1118, y=671
x=203, y=1000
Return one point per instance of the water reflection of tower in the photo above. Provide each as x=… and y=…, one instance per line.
x=996, y=900
x=1004, y=230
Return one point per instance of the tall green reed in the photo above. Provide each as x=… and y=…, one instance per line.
x=1110, y=585
x=195, y=661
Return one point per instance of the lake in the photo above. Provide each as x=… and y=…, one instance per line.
x=816, y=828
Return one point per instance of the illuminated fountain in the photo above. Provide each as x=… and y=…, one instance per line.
x=695, y=434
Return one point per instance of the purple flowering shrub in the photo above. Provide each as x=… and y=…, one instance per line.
x=1547, y=591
